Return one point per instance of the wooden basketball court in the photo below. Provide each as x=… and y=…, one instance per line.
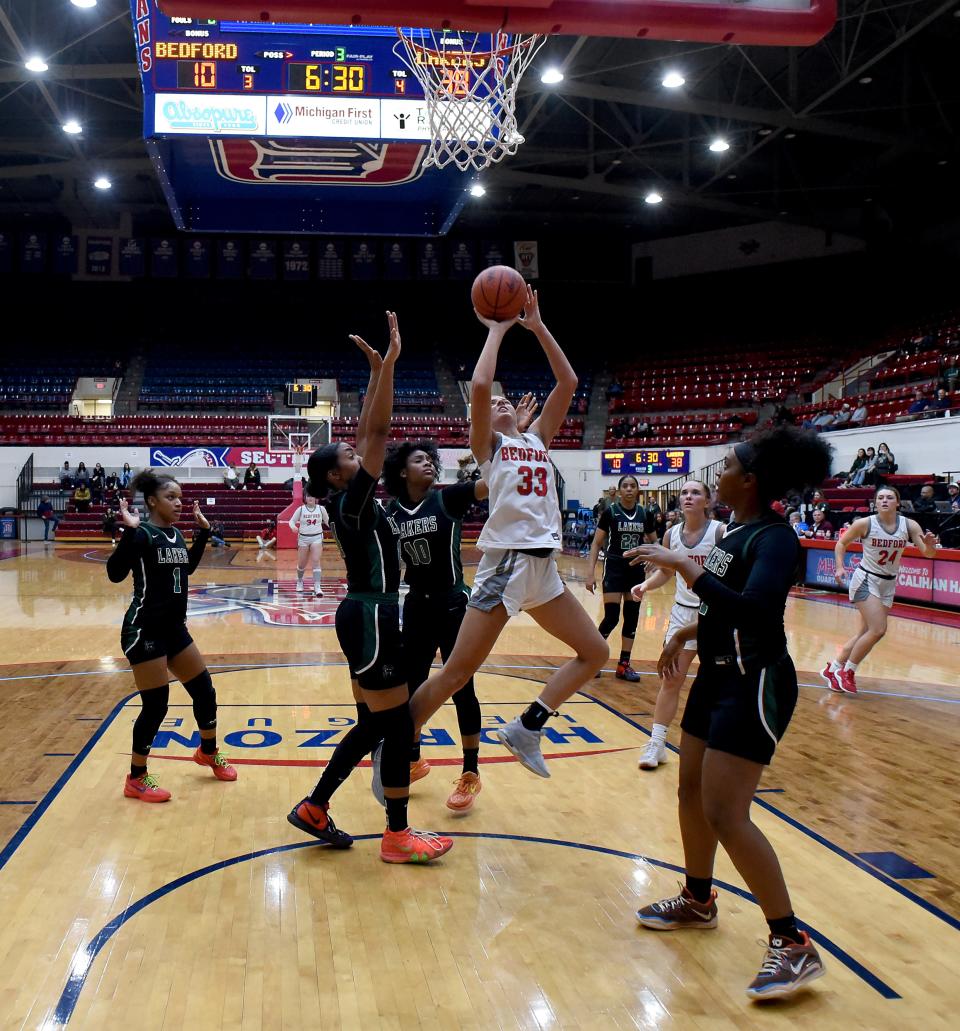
x=213, y=912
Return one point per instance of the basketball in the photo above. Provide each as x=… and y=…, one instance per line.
x=499, y=293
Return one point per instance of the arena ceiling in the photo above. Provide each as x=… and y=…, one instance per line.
x=858, y=133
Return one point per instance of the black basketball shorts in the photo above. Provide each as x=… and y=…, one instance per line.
x=745, y=714
x=619, y=576
x=141, y=644
x=369, y=635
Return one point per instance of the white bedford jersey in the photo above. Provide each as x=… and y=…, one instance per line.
x=883, y=550
x=309, y=522
x=524, y=508
x=699, y=552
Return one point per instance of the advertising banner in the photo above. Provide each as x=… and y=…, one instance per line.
x=171, y=457
x=946, y=582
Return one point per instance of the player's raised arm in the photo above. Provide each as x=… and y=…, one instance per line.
x=380, y=410
x=376, y=364
x=557, y=404
x=481, y=389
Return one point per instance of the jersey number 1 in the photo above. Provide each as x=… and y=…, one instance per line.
x=176, y=579
x=527, y=476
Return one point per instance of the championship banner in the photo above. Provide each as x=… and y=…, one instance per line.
x=229, y=259
x=296, y=260
x=65, y=256
x=396, y=259
x=33, y=256
x=197, y=258
x=99, y=255
x=163, y=259
x=330, y=260
x=364, y=259
x=263, y=259
x=131, y=256
x=526, y=259
x=463, y=260
x=428, y=259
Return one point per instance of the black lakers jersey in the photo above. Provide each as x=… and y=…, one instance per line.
x=161, y=564
x=743, y=593
x=366, y=537
x=625, y=529
x=430, y=533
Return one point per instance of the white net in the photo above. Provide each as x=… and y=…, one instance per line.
x=469, y=82
x=288, y=433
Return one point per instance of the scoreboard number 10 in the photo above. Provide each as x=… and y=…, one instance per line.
x=196, y=74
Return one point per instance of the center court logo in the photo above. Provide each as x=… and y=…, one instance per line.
x=181, y=115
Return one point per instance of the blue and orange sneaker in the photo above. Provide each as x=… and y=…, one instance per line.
x=410, y=846
x=145, y=788
x=217, y=762
x=316, y=820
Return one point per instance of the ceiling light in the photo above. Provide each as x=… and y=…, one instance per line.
x=942, y=161
x=72, y=127
x=84, y=3
x=102, y=183
x=719, y=145
x=36, y=64
x=653, y=197
x=477, y=190
x=551, y=76
x=732, y=175
x=764, y=132
x=865, y=80
x=789, y=135
x=672, y=80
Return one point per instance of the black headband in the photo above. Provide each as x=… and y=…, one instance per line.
x=746, y=454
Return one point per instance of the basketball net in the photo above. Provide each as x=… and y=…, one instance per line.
x=298, y=453
x=469, y=82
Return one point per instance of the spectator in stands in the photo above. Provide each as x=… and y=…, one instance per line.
x=860, y=414
x=97, y=483
x=858, y=478
x=251, y=478
x=885, y=465
x=919, y=405
x=951, y=374
x=780, y=507
x=82, y=476
x=821, y=528
x=267, y=537
x=858, y=463
x=81, y=496
x=953, y=496
x=672, y=504
x=218, y=535
x=673, y=517
x=796, y=522
x=926, y=502
x=49, y=517
x=231, y=479
x=66, y=477
x=110, y=525
x=940, y=404
x=126, y=476
x=842, y=418
x=818, y=501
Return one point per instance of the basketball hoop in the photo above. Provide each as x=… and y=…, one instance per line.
x=298, y=452
x=469, y=82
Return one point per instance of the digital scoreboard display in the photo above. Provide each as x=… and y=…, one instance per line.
x=214, y=78
x=646, y=462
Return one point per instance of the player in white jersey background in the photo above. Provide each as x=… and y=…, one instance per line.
x=518, y=570
x=308, y=522
x=695, y=538
x=874, y=582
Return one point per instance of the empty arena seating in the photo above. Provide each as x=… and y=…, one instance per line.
x=883, y=406
x=907, y=368
x=448, y=431
x=518, y=378
x=212, y=430
x=688, y=429
x=44, y=382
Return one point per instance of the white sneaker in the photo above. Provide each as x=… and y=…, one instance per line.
x=652, y=756
x=318, y=592
x=299, y=587
x=525, y=745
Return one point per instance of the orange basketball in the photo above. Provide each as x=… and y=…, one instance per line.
x=499, y=293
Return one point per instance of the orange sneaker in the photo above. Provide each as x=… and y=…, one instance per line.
x=145, y=788
x=412, y=846
x=419, y=770
x=222, y=770
x=465, y=793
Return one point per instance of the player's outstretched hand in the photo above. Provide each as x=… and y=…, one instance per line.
x=637, y=591
x=840, y=575
x=532, y=319
x=393, y=348
x=526, y=410
x=655, y=555
x=373, y=357
x=667, y=663
x=929, y=539
x=199, y=518
x=128, y=516
x=500, y=327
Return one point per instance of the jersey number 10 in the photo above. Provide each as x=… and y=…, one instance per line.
x=527, y=486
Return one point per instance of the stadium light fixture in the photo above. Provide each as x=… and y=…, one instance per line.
x=73, y=127
x=84, y=3
x=36, y=64
x=477, y=190
x=551, y=76
x=102, y=183
x=719, y=145
x=653, y=198
x=673, y=80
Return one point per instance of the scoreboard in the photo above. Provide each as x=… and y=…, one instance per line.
x=646, y=462
x=216, y=78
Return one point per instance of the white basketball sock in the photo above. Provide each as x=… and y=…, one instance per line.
x=835, y=666
x=850, y=666
x=659, y=734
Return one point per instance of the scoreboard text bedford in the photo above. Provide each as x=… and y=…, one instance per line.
x=648, y=461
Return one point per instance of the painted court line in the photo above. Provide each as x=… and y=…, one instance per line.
x=84, y=961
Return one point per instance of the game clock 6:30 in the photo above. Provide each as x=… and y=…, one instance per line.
x=647, y=462
x=327, y=78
